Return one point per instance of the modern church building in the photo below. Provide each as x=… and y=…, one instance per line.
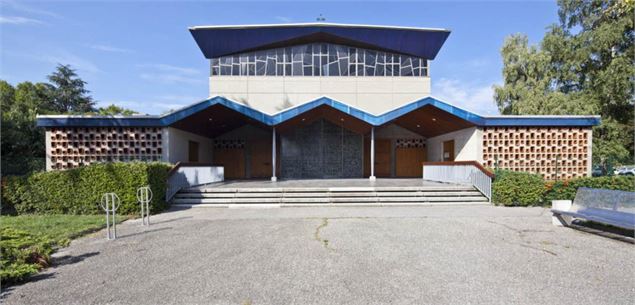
x=323, y=100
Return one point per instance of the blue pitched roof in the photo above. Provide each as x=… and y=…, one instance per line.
x=216, y=41
x=278, y=118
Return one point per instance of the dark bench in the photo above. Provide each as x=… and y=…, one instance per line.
x=615, y=208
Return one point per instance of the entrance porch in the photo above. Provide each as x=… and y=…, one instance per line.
x=323, y=142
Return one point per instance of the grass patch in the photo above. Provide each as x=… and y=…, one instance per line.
x=27, y=241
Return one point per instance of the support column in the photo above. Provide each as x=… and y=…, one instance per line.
x=273, y=156
x=372, y=154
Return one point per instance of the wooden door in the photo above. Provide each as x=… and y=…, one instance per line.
x=261, y=159
x=382, y=157
x=192, y=151
x=409, y=161
x=448, y=150
x=233, y=159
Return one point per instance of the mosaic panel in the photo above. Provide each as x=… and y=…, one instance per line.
x=74, y=147
x=556, y=153
x=321, y=150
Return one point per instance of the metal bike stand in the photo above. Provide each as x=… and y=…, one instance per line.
x=144, y=196
x=110, y=203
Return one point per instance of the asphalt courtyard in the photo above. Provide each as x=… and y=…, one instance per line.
x=360, y=255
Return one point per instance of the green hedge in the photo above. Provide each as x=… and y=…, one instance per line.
x=523, y=189
x=517, y=188
x=79, y=191
x=565, y=190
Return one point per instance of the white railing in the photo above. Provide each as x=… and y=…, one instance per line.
x=462, y=172
x=185, y=175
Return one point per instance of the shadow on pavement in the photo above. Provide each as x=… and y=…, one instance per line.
x=171, y=220
x=8, y=288
x=69, y=259
x=618, y=234
x=143, y=232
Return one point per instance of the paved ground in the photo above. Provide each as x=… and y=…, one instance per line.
x=410, y=255
x=365, y=182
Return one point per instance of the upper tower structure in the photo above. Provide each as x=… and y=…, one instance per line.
x=275, y=67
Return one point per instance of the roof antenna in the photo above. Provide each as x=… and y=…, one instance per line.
x=320, y=18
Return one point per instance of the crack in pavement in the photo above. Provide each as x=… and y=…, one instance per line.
x=316, y=234
x=521, y=235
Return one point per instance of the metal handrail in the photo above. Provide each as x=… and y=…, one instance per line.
x=461, y=172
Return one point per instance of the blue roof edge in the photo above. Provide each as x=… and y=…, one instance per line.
x=280, y=117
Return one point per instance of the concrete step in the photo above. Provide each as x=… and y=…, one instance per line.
x=329, y=189
x=327, y=194
x=326, y=200
x=338, y=196
x=291, y=205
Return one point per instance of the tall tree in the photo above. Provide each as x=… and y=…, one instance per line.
x=114, y=110
x=583, y=65
x=69, y=94
x=22, y=143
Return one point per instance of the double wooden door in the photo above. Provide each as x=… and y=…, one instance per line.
x=232, y=159
x=409, y=161
x=261, y=159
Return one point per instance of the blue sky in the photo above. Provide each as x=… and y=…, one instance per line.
x=140, y=55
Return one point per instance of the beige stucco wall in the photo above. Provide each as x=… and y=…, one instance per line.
x=468, y=145
x=47, y=143
x=176, y=146
x=271, y=94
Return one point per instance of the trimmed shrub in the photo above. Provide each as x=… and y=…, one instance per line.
x=79, y=190
x=23, y=254
x=517, y=188
x=566, y=190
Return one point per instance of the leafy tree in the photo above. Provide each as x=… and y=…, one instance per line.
x=22, y=143
x=69, y=94
x=113, y=109
x=584, y=65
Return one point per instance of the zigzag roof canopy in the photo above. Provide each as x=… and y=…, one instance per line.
x=278, y=118
x=217, y=41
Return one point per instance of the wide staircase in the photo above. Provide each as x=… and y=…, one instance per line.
x=340, y=196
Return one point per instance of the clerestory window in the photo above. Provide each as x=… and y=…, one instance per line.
x=319, y=59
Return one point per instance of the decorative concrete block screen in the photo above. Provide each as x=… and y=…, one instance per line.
x=73, y=147
x=556, y=153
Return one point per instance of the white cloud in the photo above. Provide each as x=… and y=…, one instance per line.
x=18, y=6
x=17, y=20
x=283, y=19
x=478, y=62
x=172, y=102
x=169, y=78
x=74, y=61
x=108, y=48
x=156, y=105
x=58, y=57
x=169, y=74
x=476, y=98
x=170, y=68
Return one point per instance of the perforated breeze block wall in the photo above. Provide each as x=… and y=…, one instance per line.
x=535, y=149
x=73, y=147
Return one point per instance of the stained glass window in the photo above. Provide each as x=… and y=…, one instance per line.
x=319, y=59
